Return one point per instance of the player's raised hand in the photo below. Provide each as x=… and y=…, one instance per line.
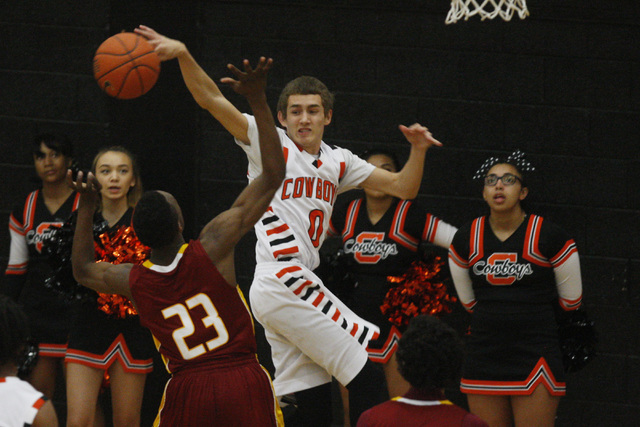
x=91, y=186
x=419, y=136
x=165, y=47
x=251, y=82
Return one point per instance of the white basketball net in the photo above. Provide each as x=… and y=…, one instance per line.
x=486, y=9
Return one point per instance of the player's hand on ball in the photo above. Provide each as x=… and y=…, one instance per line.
x=165, y=47
x=250, y=82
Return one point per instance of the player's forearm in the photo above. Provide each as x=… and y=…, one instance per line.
x=202, y=87
x=209, y=97
x=83, y=252
x=273, y=165
x=407, y=182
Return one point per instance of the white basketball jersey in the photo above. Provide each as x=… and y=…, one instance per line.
x=297, y=221
x=19, y=402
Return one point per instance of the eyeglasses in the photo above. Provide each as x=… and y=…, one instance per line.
x=508, y=179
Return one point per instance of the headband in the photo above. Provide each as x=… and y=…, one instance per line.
x=516, y=158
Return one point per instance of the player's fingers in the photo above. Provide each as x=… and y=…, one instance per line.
x=266, y=63
x=145, y=29
x=434, y=141
x=228, y=81
x=234, y=70
x=78, y=182
x=70, y=178
x=247, y=66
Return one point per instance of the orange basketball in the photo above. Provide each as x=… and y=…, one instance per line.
x=126, y=66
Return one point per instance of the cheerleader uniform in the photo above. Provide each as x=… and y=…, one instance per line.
x=98, y=339
x=28, y=269
x=511, y=288
x=385, y=249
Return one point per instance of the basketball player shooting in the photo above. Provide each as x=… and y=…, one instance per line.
x=186, y=294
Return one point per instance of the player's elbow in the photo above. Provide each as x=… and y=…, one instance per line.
x=82, y=273
x=409, y=195
x=405, y=193
x=79, y=272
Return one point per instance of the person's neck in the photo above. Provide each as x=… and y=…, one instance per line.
x=56, y=191
x=113, y=210
x=314, y=149
x=8, y=370
x=377, y=207
x=505, y=223
x=166, y=254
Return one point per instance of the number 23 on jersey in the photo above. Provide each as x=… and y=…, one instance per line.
x=211, y=320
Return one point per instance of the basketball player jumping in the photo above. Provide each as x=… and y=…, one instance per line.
x=313, y=335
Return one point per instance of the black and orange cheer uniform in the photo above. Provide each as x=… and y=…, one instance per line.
x=98, y=339
x=512, y=289
x=28, y=268
x=384, y=249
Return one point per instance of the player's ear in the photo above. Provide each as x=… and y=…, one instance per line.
x=282, y=119
x=327, y=117
x=524, y=191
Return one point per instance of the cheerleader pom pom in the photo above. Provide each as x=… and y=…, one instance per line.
x=578, y=340
x=56, y=245
x=120, y=247
x=418, y=291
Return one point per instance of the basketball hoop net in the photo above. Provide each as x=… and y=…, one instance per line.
x=486, y=9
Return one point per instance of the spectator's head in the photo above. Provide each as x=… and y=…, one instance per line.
x=14, y=333
x=117, y=167
x=52, y=156
x=429, y=353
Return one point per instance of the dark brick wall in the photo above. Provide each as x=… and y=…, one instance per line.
x=562, y=85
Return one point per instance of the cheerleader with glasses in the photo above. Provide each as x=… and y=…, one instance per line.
x=512, y=270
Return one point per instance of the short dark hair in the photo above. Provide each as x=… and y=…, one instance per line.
x=305, y=85
x=154, y=220
x=429, y=353
x=60, y=143
x=14, y=331
x=381, y=151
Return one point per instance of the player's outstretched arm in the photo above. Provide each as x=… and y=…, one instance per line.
x=405, y=184
x=220, y=236
x=102, y=276
x=203, y=89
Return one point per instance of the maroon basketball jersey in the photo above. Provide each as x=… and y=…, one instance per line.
x=195, y=316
